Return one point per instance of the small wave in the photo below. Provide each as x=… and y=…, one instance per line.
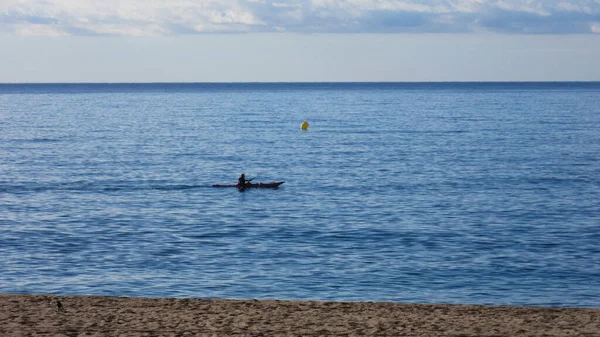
x=91, y=187
x=37, y=140
x=153, y=187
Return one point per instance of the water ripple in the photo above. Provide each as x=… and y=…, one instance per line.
x=430, y=193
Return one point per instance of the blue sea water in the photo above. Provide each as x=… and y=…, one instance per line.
x=475, y=193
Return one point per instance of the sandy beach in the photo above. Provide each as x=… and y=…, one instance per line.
x=39, y=315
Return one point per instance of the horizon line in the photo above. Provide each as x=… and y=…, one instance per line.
x=307, y=82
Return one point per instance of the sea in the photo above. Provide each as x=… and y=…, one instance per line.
x=459, y=193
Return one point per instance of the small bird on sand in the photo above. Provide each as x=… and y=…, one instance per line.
x=59, y=306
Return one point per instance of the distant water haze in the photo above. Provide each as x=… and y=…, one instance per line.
x=301, y=58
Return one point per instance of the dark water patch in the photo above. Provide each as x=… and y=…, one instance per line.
x=39, y=140
x=92, y=187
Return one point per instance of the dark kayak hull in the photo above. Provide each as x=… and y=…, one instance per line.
x=251, y=185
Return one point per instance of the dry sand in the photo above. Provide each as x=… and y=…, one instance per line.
x=38, y=315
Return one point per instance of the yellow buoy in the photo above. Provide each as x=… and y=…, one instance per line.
x=304, y=125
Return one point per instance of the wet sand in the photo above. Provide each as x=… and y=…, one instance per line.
x=38, y=315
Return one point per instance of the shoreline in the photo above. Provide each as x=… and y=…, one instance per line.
x=38, y=315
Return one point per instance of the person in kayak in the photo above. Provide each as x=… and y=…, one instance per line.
x=242, y=181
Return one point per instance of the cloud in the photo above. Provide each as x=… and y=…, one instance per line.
x=167, y=17
x=543, y=21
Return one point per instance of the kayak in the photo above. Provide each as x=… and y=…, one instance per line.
x=251, y=185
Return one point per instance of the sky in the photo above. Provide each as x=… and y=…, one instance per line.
x=298, y=41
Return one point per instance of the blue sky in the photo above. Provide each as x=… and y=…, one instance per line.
x=318, y=40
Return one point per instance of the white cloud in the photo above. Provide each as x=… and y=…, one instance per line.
x=38, y=30
x=167, y=17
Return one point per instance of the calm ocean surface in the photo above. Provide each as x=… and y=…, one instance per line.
x=479, y=193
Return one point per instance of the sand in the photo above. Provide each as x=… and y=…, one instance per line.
x=38, y=315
